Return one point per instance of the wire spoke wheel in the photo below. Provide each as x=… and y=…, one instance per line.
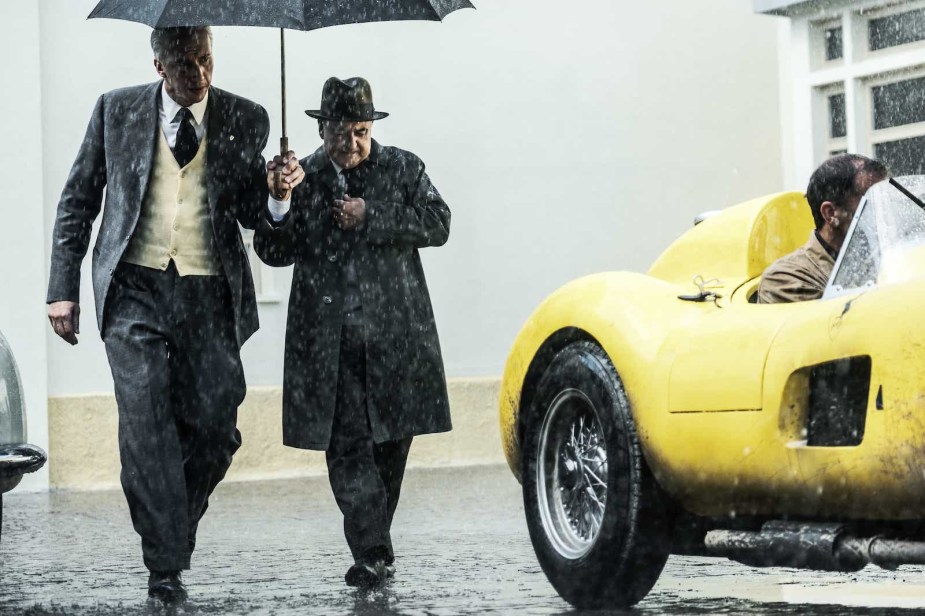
x=571, y=478
x=598, y=520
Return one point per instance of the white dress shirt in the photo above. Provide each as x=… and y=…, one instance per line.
x=170, y=123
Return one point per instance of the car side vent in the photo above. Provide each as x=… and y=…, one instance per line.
x=838, y=394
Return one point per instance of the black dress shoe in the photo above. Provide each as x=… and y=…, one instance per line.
x=167, y=587
x=369, y=575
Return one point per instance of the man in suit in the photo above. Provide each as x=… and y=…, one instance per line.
x=834, y=193
x=363, y=368
x=182, y=165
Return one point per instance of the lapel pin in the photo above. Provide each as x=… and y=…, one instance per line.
x=230, y=137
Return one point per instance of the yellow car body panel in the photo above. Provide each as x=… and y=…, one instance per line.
x=718, y=388
x=740, y=242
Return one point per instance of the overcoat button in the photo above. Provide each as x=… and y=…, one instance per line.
x=332, y=258
x=327, y=299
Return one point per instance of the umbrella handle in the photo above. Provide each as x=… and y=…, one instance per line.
x=277, y=176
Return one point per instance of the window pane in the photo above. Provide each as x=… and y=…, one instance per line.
x=833, y=43
x=897, y=29
x=903, y=157
x=902, y=102
x=837, y=122
x=837, y=152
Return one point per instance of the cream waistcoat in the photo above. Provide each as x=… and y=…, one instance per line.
x=174, y=222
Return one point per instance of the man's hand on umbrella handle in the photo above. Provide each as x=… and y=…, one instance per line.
x=284, y=174
x=65, y=319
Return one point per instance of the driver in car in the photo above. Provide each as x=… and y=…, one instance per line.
x=834, y=192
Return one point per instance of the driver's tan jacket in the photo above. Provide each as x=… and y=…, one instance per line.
x=797, y=277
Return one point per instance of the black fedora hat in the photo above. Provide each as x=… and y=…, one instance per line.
x=348, y=100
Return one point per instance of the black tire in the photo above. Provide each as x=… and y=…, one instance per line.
x=616, y=564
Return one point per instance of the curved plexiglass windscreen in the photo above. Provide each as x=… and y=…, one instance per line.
x=12, y=404
x=886, y=242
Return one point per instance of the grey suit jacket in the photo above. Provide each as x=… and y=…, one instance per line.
x=117, y=154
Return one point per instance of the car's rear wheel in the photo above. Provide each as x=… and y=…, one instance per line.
x=596, y=516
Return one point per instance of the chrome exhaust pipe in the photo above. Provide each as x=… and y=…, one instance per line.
x=810, y=545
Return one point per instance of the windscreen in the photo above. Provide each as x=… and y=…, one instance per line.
x=12, y=404
x=886, y=240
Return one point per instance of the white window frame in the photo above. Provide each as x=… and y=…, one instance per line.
x=856, y=73
x=830, y=143
x=864, y=17
x=263, y=274
x=893, y=133
x=817, y=30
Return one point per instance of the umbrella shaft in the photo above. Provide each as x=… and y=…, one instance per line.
x=284, y=143
x=284, y=140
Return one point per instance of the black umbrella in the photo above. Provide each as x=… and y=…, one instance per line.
x=292, y=14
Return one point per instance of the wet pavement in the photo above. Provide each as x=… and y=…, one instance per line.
x=461, y=546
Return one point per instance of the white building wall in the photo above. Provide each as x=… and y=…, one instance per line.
x=565, y=140
x=22, y=247
x=790, y=109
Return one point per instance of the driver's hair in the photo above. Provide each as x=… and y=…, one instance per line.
x=164, y=40
x=836, y=180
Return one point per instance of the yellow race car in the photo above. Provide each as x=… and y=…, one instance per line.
x=668, y=413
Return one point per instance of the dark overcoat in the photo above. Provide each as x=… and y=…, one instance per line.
x=117, y=154
x=405, y=380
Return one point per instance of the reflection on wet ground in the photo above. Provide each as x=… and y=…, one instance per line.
x=461, y=545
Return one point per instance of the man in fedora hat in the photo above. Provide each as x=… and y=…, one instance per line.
x=363, y=369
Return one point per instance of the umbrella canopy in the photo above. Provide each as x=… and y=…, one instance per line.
x=292, y=14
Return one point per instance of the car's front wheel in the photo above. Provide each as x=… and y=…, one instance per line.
x=596, y=516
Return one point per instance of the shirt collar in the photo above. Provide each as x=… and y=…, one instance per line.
x=825, y=245
x=172, y=107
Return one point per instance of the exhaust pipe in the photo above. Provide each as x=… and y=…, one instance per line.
x=816, y=546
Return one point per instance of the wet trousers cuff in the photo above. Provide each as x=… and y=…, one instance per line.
x=168, y=562
x=375, y=553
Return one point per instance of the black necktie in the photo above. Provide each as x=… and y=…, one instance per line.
x=187, y=144
x=355, y=180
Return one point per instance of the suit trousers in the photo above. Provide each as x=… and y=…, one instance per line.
x=178, y=379
x=365, y=476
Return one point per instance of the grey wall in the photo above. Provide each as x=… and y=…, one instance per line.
x=567, y=139
x=22, y=248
